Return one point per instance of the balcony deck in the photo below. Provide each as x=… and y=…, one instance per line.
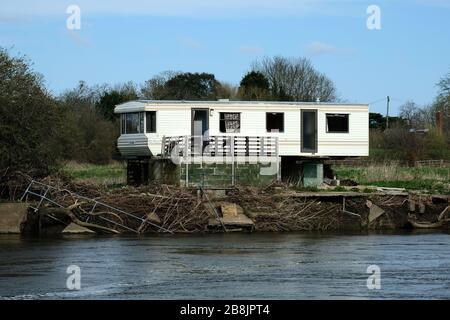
x=238, y=148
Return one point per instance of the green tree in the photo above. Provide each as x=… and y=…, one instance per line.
x=93, y=136
x=155, y=88
x=32, y=123
x=254, y=86
x=110, y=98
x=192, y=86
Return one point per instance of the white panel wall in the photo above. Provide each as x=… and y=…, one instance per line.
x=175, y=120
x=353, y=143
x=169, y=122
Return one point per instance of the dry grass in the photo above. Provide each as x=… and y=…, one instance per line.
x=393, y=175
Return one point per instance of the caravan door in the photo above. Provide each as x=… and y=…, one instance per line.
x=309, y=131
x=199, y=130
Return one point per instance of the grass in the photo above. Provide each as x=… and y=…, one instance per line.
x=108, y=174
x=391, y=175
x=433, y=179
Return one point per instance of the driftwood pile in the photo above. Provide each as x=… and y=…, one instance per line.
x=173, y=208
x=180, y=210
x=170, y=208
x=289, y=212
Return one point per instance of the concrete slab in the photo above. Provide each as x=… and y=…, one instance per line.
x=375, y=212
x=12, y=215
x=73, y=228
x=238, y=221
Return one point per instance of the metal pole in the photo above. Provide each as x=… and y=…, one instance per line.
x=186, y=148
x=278, y=158
x=233, y=168
x=387, y=112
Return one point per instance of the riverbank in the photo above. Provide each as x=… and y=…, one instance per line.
x=172, y=209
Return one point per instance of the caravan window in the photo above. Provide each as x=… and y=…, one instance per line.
x=132, y=123
x=230, y=122
x=337, y=123
x=275, y=122
x=151, y=121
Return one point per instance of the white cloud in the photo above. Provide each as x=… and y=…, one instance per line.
x=250, y=49
x=318, y=48
x=190, y=43
x=11, y=11
x=188, y=8
x=78, y=39
x=435, y=3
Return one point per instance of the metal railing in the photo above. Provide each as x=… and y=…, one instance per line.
x=219, y=146
x=95, y=209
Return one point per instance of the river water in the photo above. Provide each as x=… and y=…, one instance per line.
x=231, y=266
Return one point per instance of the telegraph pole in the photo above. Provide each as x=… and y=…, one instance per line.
x=387, y=112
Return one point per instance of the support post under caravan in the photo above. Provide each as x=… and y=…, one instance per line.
x=186, y=149
x=278, y=160
x=137, y=171
x=233, y=167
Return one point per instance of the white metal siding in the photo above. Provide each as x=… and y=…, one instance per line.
x=133, y=145
x=175, y=120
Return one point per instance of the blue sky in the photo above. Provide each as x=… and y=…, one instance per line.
x=134, y=40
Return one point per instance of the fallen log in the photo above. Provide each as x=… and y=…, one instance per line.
x=443, y=213
x=57, y=213
x=427, y=225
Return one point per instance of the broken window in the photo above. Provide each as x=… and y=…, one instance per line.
x=151, y=121
x=275, y=122
x=337, y=123
x=230, y=122
x=133, y=123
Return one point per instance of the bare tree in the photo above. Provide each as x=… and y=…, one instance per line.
x=227, y=91
x=295, y=79
x=444, y=85
x=410, y=112
x=155, y=88
x=442, y=102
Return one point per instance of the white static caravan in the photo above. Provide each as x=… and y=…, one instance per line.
x=298, y=130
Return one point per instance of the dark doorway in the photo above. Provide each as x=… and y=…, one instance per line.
x=200, y=122
x=200, y=127
x=309, y=131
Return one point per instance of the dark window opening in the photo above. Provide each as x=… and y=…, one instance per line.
x=230, y=122
x=337, y=123
x=133, y=123
x=151, y=121
x=275, y=122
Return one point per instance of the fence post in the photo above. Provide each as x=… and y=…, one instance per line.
x=163, y=146
x=278, y=159
x=186, y=148
x=233, y=169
